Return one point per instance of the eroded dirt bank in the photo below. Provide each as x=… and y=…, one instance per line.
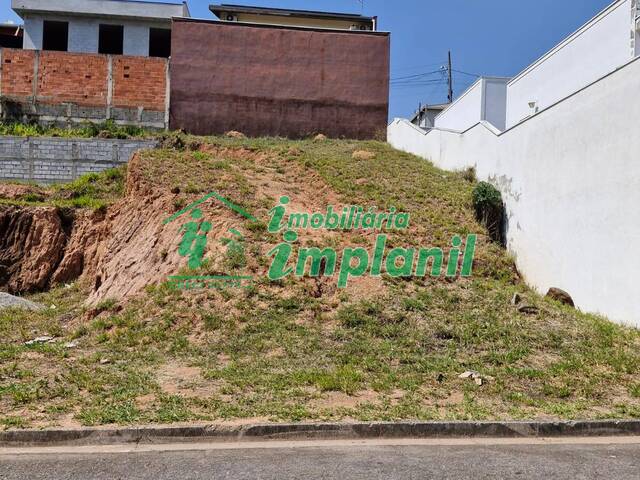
x=117, y=251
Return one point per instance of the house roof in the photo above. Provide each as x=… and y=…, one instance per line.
x=283, y=12
x=145, y=10
x=424, y=108
x=11, y=29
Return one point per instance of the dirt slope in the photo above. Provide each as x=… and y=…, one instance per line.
x=120, y=251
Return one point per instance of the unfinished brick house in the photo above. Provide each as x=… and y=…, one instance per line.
x=262, y=71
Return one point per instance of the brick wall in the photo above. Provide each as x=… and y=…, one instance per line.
x=139, y=81
x=17, y=72
x=285, y=81
x=72, y=77
x=75, y=87
x=52, y=160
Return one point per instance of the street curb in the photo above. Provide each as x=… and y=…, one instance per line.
x=315, y=431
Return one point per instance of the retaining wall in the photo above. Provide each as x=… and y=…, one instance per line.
x=570, y=178
x=54, y=160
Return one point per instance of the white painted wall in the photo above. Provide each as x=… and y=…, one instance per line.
x=484, y=100
x=599, y=47
x=495, y=102
x=465, y=111
x=570, y=178
x=636, y=20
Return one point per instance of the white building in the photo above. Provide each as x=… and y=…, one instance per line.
x=566, y=163
x=118, y=27
x=603, y=44
x=485, y=100
x=606, y=42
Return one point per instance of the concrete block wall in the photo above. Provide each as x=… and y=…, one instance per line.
x=84, y=33
x=56, y=160
x=67, y=88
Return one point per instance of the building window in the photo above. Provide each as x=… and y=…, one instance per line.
x=159, y=42
x=111, y=39
x=55, y=36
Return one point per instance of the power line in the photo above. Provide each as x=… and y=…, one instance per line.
x=417, y=75
x=424, y=82
x=416, y=67
x=467, y=73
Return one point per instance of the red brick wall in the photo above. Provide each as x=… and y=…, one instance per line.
x=265, y=80
x=73, y=77
x=82, y=79
x=17, y=72
x=139, y=81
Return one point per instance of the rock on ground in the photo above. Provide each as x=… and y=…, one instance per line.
x=9, y=301
x=363, y=155
x=560, y=296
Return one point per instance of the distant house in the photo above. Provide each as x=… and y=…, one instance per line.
x=10, y=35
x=293, y=18
x=117, y=27
x=426, y=115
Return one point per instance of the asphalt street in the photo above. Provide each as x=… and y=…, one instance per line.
x=582, y=459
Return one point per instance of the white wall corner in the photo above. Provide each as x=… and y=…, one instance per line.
x=635, y=28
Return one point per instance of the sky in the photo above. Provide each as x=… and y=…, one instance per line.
x=485, y=37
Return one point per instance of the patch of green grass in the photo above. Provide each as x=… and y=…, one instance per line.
x=108, y=129
x=13, y=422
x=93, y=191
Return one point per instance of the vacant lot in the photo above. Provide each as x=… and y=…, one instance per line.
x=302, y=349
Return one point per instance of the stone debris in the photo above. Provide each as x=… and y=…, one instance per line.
x=39, y=340
x=235, y=134
x=476, y=377
x=10, y=301
x=363, y=155
x=516, y=299
x=528, y=309
x=560, y=296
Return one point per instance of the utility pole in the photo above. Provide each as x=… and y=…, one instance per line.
x=450, y=79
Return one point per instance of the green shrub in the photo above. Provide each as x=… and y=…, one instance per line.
x=469, y=174
x=490, y=211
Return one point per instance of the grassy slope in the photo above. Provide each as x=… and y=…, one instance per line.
x=279, y=353
x=94, y=190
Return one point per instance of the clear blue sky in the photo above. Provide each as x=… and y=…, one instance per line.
x=488, y=37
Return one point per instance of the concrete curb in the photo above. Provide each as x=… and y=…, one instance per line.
x=315, y=431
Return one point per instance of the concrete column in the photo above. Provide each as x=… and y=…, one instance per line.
x=36, y=73
x=136, y=40
x=167, y=95
x=83, y=35
x=30, y=159
x=32, y=39
x=109, y=85
x=75, y=156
